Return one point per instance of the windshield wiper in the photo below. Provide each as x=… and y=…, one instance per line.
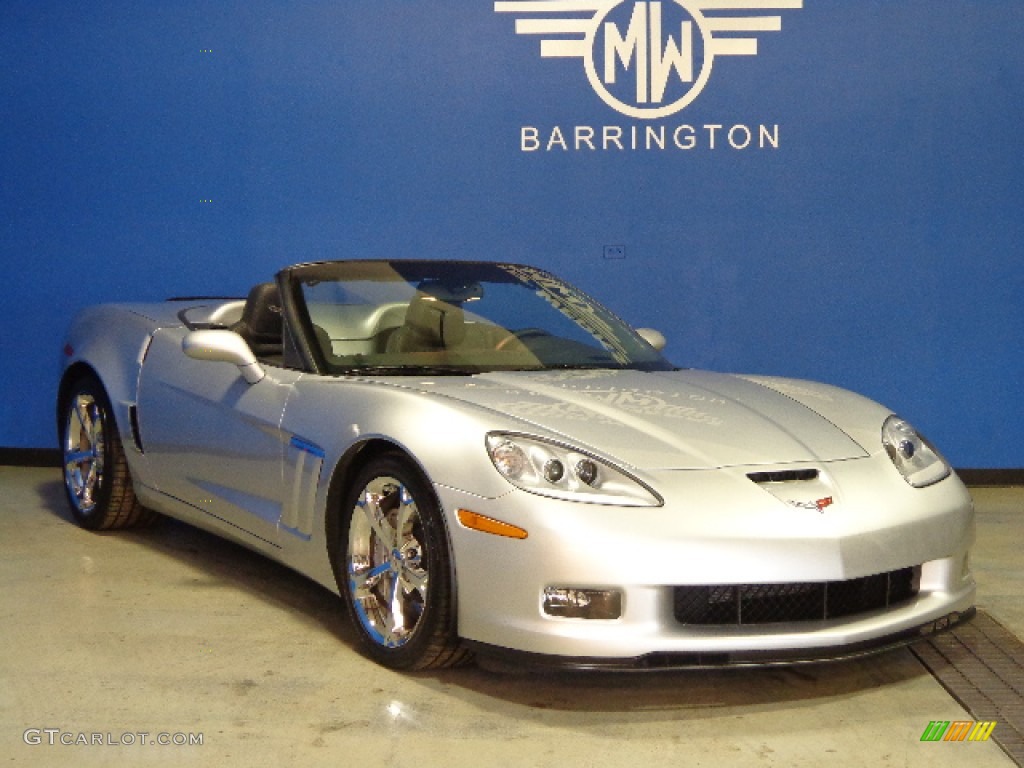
x=464, y=370
x=604, y=366
x=409, y=370
x=595, y=366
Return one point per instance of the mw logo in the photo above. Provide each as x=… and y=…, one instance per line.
x=958, y=730
x=645, y=49
x=649, y=58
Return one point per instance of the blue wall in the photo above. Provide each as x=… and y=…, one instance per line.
x=154, y=149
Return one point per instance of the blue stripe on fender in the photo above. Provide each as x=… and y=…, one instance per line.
x=308, y=447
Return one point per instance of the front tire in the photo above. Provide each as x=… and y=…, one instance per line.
x=394, y=569
x=97, y=481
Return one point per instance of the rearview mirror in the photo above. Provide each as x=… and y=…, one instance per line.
x=224, y=347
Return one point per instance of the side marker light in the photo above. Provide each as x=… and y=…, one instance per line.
x=478, y=522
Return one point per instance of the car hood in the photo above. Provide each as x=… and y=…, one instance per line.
x=663, y=420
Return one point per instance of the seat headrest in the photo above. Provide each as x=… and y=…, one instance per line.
x=262, y=313
x=437, y=323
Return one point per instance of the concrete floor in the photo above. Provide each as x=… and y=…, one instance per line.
x=172, y=631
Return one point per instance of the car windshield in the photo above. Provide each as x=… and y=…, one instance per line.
x=410, y=317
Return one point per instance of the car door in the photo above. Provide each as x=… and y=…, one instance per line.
x=213, y=440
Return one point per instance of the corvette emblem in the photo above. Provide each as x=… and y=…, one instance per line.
x=819, y=505
x=646, y=59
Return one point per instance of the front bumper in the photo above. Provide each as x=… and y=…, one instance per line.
x=715, y=528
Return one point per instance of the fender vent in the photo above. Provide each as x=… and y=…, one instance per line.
x=133, y=419
x=784, y=476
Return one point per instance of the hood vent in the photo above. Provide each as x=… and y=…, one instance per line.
x=784, y=476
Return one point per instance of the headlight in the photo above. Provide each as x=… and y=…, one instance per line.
x=914, y=457
x=563, y=472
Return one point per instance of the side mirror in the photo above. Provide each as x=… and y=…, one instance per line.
x=224, y=347
x=655, y=338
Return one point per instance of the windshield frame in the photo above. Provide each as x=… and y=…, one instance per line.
x=624, y=348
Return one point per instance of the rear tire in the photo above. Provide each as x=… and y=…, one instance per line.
x=97, y=481
x=393, y=567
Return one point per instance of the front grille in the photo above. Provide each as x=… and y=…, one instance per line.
x=807, y=601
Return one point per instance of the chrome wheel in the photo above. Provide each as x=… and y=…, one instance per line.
x=83, y=449
x=388, y=544
x=97, y=481
x=387, y=572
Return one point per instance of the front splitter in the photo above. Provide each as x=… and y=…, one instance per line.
x=505, y=659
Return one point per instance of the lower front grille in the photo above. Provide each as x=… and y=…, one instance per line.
x=808, y=601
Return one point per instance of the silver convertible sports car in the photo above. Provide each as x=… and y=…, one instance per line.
x=481, y=459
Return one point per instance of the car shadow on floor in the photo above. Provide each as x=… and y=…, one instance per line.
x=231, y=565
x=748, y=688
x=227, y=564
